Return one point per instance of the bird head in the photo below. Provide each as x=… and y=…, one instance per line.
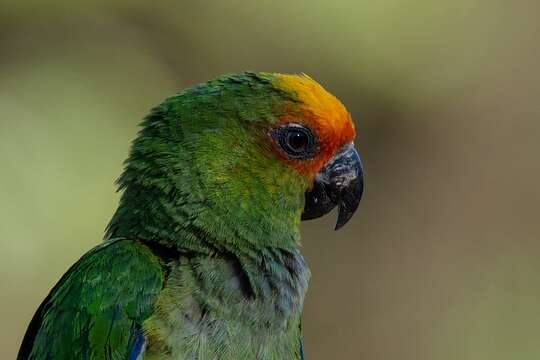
x=241, y=159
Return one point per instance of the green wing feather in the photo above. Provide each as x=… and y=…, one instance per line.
x=96, y=310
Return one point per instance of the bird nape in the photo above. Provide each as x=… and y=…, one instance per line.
x=201, y=259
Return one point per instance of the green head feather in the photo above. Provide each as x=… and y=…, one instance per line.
x=203, y=165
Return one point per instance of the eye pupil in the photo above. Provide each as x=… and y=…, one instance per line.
x=297, y=140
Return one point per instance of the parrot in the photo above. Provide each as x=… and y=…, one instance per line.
x=201, y=259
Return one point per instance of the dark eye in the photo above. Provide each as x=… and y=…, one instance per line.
x=296, y=140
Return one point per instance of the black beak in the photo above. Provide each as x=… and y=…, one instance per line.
x=339, y=183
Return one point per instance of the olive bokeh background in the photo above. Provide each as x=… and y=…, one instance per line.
x=442, y=260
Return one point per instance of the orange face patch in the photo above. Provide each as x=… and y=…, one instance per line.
x=322, y=112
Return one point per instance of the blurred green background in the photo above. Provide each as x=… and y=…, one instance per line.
x=442, y=260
